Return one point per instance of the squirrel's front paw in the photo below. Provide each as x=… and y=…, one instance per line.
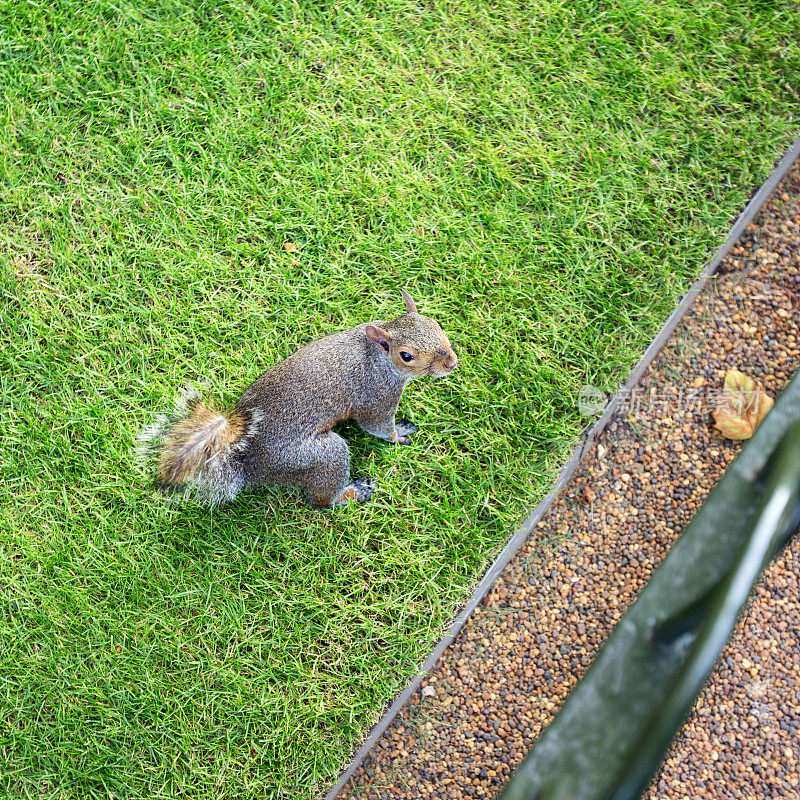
x=405, y=430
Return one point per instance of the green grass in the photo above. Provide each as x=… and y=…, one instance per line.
x=544, y=178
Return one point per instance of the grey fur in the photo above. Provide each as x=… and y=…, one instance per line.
x=286, y=416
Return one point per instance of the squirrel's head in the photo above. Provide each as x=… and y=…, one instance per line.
x=415, y=345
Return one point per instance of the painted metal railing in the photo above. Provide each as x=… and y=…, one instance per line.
x=610, y=736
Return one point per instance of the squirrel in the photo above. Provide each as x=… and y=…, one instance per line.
x=280, y=431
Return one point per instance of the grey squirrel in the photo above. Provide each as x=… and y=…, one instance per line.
x=280, y=430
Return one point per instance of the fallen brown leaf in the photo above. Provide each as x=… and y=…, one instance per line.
x=290, y=247
x=741, y=407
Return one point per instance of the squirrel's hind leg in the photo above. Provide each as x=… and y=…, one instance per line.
x=326, y=477
x=359, y=491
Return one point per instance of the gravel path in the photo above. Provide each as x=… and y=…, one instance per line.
x=516, y=659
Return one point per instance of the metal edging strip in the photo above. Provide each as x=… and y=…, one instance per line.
x=525, y=529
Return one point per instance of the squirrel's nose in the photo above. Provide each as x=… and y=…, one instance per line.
x=451, y=362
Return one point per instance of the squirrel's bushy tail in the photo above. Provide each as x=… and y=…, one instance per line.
x=190, y=451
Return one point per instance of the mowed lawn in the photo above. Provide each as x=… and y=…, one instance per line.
x=544, y=178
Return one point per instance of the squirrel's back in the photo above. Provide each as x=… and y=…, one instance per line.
x=325, y=377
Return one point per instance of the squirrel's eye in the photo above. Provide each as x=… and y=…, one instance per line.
x=406, y=356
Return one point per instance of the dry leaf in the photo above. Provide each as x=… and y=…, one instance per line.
x=586, y=495
x=290, y=247
x=743, y=404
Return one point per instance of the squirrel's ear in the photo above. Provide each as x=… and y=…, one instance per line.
x=379, y=336
x=411, y=306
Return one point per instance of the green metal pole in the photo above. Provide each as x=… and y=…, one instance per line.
x=777, y=518
x=615, y=726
